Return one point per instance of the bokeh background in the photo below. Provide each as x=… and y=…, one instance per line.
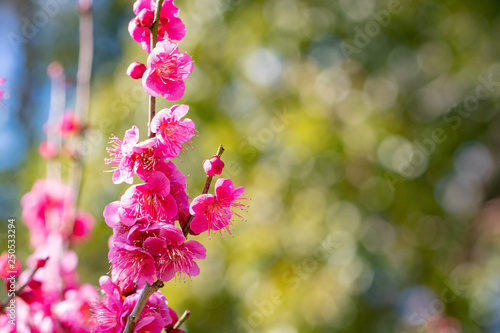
x=366, y=133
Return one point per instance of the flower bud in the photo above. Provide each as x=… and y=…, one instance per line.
x=69, y=124
x=136, y=70
x=145, y=18
x=47, y=150
x=40, y=263
x=34, y=284
x=213, y=166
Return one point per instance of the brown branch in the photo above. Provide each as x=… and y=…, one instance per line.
x=20, y=290
x=208, y=181
x=82, y=102
x=182, y=319
x=154, y=37
x=84, y=60
x=147, y=291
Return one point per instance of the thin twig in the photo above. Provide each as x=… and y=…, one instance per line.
x=182, y=319
x=141, y=303
x=208, y=181
x=57, y=102
x=20, y=290
x=154, y=37
x=84, y=60
x=82, y=102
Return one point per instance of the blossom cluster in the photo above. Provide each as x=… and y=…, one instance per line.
x=52, y=299
x=152, y=219
x=150, y=222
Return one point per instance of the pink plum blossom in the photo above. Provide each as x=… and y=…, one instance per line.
x=121, y=153
x=115, y=215
x=214, y=212
x=131, y=265
x=171, y=130
x=213, y=166
x=107, y=312
x=177, y=187
x=129, y=154
x=151, y=200
x=47, y=207
x=170, y=25
x=167, y=70
x=73, y=312
x=110, y=313
x=82, y=227
x=176, y=256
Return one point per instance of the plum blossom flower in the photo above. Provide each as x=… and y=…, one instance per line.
x=176, y=256
x=73, y=312
x=177, y=187
x=214, y=212
x=171, y=130
x=170, y=25
x=82, y=227
x=108, y=311
x=167, y=70
x=47, y=207
x=131, y=265
x=129, y=155
x=121, y=153
x=151, y=200
x=213, y=166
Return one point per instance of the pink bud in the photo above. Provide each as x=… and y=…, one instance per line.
x=34, y=284
x=136, y=70
x=145, y=18
x=40, y=263
x=69, y=124
x=47, y=150
x=213, y=166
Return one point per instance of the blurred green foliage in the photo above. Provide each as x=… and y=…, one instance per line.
x=366, y=135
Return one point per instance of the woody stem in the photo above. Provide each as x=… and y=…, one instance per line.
x=154, y=37
x=208, y=181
